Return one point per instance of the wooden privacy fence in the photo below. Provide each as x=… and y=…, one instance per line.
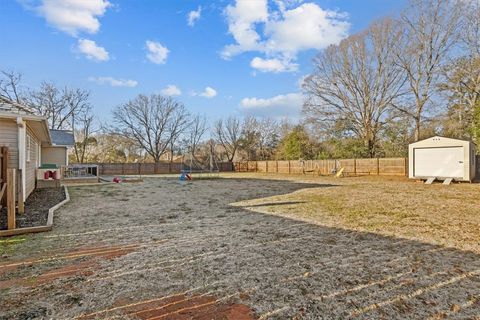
x=374, y=166
x=148, y=168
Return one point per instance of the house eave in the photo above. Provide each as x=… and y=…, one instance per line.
x=37, y=123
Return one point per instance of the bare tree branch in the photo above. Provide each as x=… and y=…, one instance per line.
x=228, y=134
x=356, y=83
x=152, y=121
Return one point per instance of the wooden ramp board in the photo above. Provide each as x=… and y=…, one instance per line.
x=447, y=181
x=430, y=180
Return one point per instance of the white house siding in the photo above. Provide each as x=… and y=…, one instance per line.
x=54, y=155
x=9, y=138
x=31, y=165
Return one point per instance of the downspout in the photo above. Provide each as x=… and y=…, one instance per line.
x=22, y=136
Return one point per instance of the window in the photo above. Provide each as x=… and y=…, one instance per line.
x=29, y=148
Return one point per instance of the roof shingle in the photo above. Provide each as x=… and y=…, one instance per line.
x=62, y=137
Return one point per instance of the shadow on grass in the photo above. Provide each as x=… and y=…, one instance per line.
x=280, y=203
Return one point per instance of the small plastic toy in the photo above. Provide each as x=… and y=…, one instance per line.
x=185, y=176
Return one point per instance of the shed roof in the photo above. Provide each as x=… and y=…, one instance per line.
x=62, y=137
x=441, y=141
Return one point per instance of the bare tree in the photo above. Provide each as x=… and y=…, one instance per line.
x=10, y=86
x=470, y=27
x=179, y=124
x=429, y=31
x=197, y=130
x=268, y=138
x=83, y=128
x=150, y=121
x=59, y=106
x=228, y=134
x=356, y=83
x=250, y=137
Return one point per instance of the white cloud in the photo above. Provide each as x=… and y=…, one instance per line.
x=241, y=24
x=208, y=93
x=171, y=90
x=279, y=106
x=157, y=53
x=286, y=31
x=93, y=52
x=73, y=16
x=114, y=82
x=273, y=65
x=305, y=27
x=193, y=16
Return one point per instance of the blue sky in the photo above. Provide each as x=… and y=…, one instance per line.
x=244, y=57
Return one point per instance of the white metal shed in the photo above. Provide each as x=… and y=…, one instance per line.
x=442, y=158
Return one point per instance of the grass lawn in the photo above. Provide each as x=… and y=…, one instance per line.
x=251, y=247
x=393, y=206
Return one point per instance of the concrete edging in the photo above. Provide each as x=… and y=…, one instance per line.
x=47, y=227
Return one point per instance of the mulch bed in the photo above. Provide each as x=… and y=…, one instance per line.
x=36, y=208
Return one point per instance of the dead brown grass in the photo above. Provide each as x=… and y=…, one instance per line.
x=394, y=206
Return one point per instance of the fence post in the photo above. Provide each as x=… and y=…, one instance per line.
x=289, y=167
x=276, y=171
x=3, y=174
x=256, y=166
x=378, y=166
x=354, y=166
x=11, y=199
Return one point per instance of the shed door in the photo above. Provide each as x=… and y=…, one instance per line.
x=439, y=162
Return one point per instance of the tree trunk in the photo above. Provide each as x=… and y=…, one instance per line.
x=417, y=128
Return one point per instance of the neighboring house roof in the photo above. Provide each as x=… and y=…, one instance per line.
x=62, y=138
x=7, y=105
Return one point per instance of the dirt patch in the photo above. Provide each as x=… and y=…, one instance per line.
x=179, y=307
x=75, y=268
x=109, y=253
x=36, y=208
